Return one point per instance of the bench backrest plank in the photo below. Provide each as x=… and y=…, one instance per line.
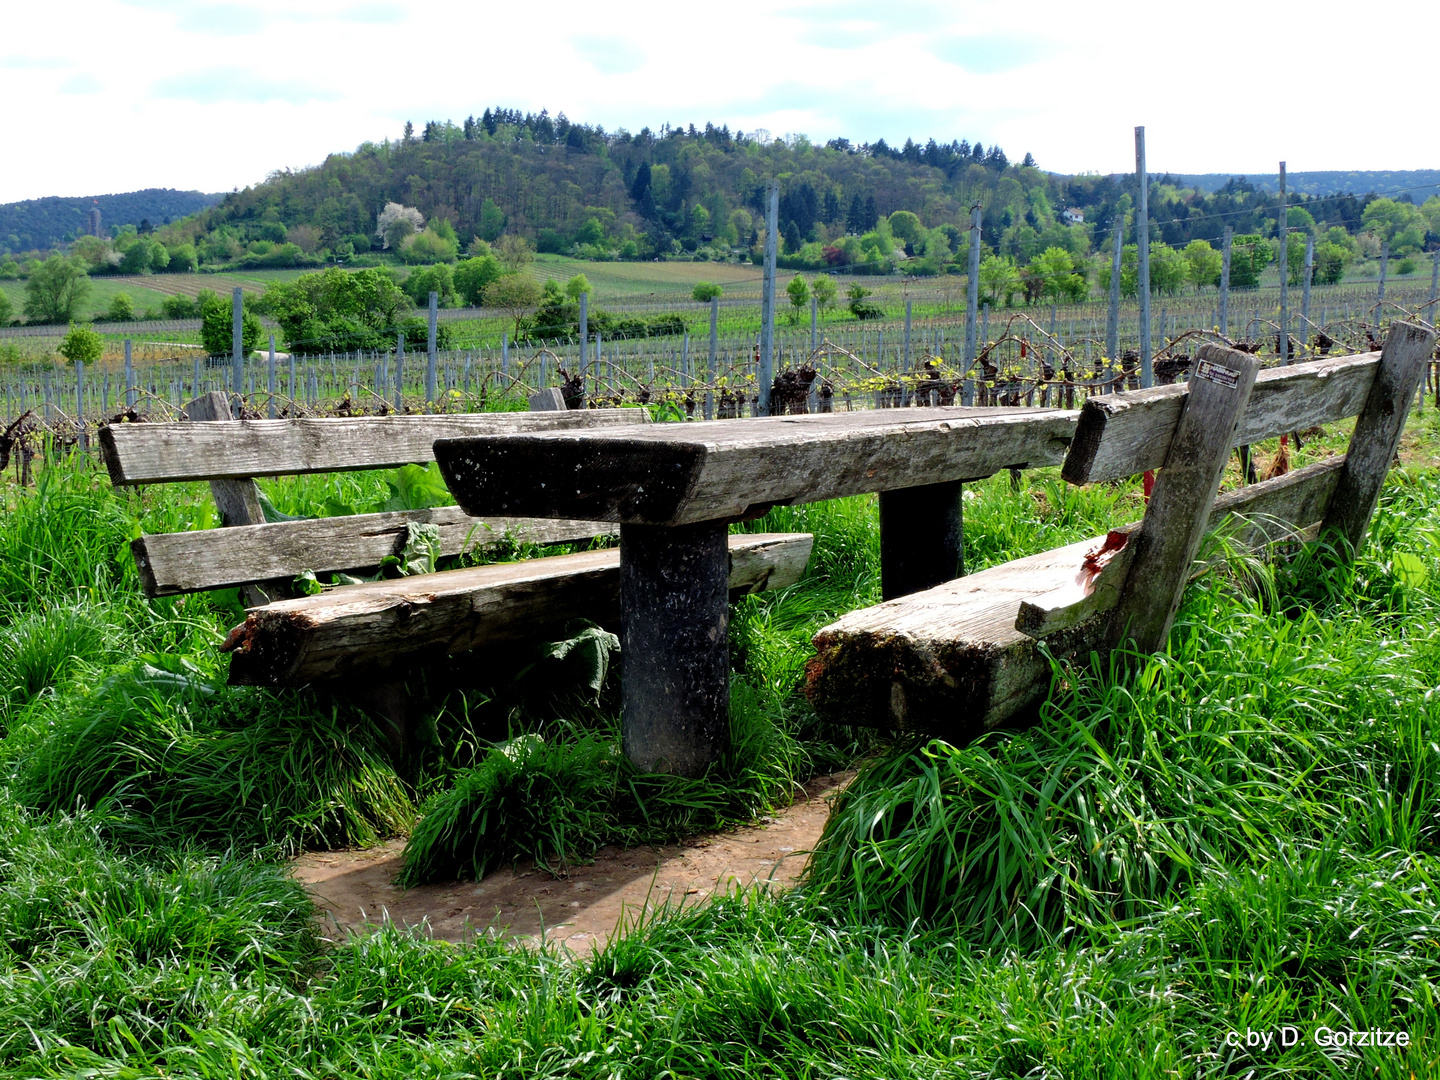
x=184, y=562
x=1121, y=435
x=164, y=453
x=673, y=474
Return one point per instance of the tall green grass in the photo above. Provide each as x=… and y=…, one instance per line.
x=1238, y=833
x=175, y=760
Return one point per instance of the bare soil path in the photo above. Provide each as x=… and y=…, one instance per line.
x=356, y=890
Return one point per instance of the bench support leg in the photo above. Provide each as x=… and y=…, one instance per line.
x=1377, y=433
x=1185, y=490
x=675, y=646
x=922, y=538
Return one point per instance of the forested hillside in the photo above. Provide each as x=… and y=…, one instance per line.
x=36, y=224
x=572, y=187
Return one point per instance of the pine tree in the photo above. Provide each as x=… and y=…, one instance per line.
x=409, y=131
x=872, y=213
x=792, y=237
x=855, y=219
x=831, y=213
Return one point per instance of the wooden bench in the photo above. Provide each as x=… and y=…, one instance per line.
x=674, y=490
x=379, y=625
x=964, y=656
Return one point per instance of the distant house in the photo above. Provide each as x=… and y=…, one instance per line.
x=1073, y=217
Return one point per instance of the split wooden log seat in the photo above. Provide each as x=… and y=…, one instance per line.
x=675, y=489
x=382, y=625
x=964, y=656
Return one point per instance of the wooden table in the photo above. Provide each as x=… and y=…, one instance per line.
x=674, y=489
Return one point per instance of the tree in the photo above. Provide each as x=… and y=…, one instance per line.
x=1331, y=259
x=823, y=289
x=855, y=216
x=514, y=252
x=793, y=243
x=429, y=246
x=705, y=291
x=1249, y=255
x=492, y=221
x=1205, y=263
x=799, y=293
x=82, y=345
x=217, y=327
x=1402, y=225
x=396, y=222
x=576, y=286
x=999, y=275
x=439, y=279
x=1168, y=269
x=1058, y=279
x=514, y=294
x=337, y=310
x=56, y=289
x=7, y=312
x=183, y=259
x=906, y=226
x=473, y=275
x=120, y=309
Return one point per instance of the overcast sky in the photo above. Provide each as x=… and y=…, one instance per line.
x=113, y=95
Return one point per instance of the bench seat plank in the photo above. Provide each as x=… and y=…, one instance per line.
x=183, y=562
x=1122, y=435
x=676, y=474
x=951, y=660
x=164, y=453
x=372, y=626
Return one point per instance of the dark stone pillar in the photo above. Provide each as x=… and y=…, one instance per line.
x=675, y=646
x=922, y=538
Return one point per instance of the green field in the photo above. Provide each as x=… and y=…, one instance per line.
x=1236, y=834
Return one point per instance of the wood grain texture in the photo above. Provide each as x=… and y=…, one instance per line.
x=550, y=400
x=951, y=660
x=162, y=453
x=1185, y=490
x=183, y=562
x=1121, y=435
x=675, y=474
x=1377, y=432
x=948, y=660
x=379, y=625
x=238, y=501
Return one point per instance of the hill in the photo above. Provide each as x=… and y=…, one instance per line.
x=576, y=189
x=1419, y=184
x=38, y=224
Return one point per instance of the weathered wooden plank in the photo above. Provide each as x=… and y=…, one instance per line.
x=1185, y=490
x=375, y=626
x=1377, y=432
x=162, y=453
x=952, y=660
x=1289, y=507
x=550, y=400
x=947, y=660
x=238, y=501
x=1124, y=434
x=173, y=563
x=675, y=474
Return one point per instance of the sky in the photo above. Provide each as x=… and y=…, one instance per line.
x=114, y=95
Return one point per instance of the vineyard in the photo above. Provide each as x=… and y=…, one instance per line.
x=910, y=353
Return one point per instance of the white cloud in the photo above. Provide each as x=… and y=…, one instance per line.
x=218, y=94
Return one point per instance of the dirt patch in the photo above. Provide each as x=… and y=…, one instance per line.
x=356, y=890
